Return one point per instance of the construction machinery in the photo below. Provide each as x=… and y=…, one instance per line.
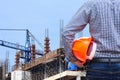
x=26, y=49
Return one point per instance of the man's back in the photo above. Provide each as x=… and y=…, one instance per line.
x=105, y=26
x=104, y=19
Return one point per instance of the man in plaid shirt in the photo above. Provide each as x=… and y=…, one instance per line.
x=103, y=17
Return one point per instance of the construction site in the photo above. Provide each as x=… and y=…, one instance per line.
x=50, y=65
x=26, y=28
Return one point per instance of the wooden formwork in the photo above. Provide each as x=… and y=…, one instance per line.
x=45, y=58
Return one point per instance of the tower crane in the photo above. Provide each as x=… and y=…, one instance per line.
x=25, y=48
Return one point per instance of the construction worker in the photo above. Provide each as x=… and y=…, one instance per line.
x=103, y=17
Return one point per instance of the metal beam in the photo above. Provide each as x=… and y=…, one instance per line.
x=13, y=46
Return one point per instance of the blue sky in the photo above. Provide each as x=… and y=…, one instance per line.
x=35, y=15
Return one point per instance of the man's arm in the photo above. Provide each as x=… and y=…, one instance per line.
x=77, y=24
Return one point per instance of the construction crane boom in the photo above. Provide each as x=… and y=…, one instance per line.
x=14, y=46
x=18, y=47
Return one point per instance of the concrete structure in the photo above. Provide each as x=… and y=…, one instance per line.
x=20, y=75
x=46, y=66
x=68, y=75
x=51, y=66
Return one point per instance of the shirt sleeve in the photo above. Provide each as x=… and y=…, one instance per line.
x=77, y=24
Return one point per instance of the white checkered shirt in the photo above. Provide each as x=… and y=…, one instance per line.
x=103, y=17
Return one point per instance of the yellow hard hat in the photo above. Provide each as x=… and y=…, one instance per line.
x=84, y=48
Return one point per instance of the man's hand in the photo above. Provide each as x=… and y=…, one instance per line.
x=77, y=63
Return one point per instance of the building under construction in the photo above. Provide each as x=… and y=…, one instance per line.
x=50, y=67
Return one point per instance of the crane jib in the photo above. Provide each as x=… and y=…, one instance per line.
x=14, y=46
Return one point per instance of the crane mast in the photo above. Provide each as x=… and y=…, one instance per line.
x=27, y=47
